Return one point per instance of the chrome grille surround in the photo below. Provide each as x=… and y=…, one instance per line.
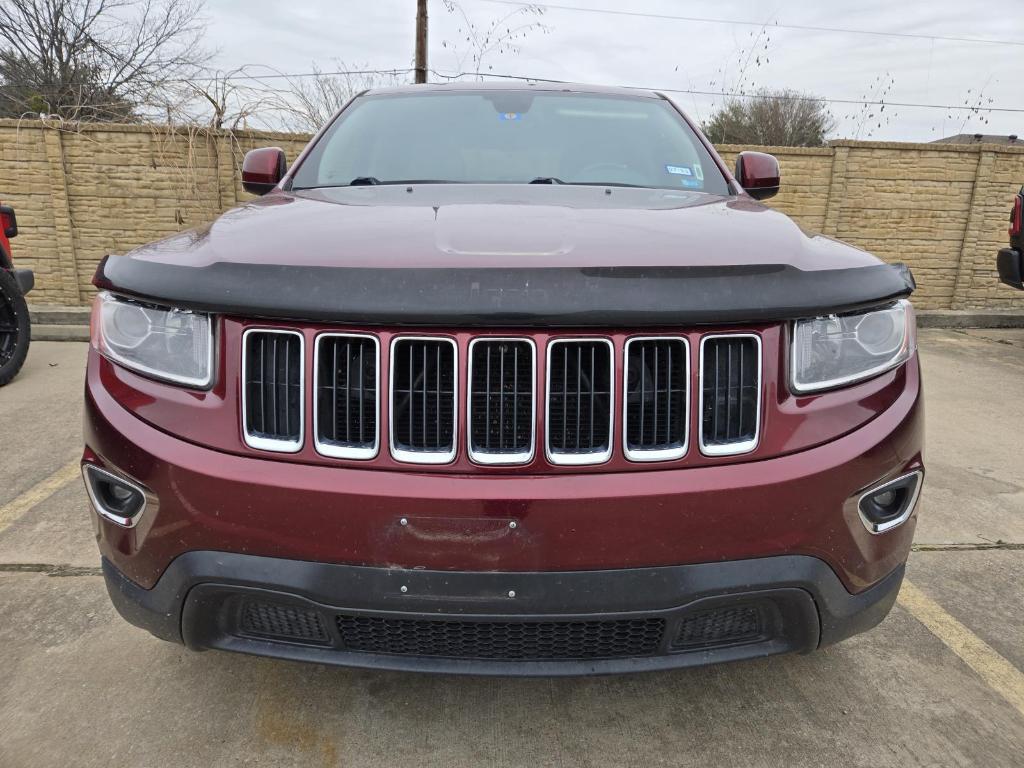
x=657, y=454
x=485, y=457
x=423, y=457
x=734, y=448
x=579, y=459
x=264, y=443
x=331, y=448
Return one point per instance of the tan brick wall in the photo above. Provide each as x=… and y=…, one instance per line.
x=102, y=189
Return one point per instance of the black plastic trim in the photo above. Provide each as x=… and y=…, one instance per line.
x=25, y=279
x=191, y=604
x=510, y=297
x=1010, y=263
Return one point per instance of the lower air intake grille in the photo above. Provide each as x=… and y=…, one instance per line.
x=282, y=622
x=730, y=393
x=273, y=390
x=423, y=392
x=501, y=400
x=721, y=626
x=531, y=640
x=347, y=396
x=657, y=373
x=579, y=414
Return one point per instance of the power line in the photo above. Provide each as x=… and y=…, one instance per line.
x=738, y=95
x=746, y=23
x=524, y=78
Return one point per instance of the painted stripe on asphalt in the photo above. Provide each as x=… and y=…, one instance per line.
x=39, y=493
x=994, y=669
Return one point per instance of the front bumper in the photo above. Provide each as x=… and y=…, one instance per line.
x=508, y=623
x=797, y=504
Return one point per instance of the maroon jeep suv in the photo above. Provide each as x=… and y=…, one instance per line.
x=514, y=380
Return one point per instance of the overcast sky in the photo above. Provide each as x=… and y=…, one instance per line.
x=595, y=47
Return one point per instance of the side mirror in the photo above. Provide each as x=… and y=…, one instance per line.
x=758, y=174
x=263, y=169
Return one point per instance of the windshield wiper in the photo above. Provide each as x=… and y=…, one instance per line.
x=373, y=181
x=609, y=184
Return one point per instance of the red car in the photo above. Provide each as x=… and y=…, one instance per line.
x=1010, y=261
x=512, y=380
x=15, y=331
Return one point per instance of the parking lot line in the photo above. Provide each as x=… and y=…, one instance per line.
x=994, y=669
x=38, y=493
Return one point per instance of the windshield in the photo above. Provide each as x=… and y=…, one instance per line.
x=511, y=137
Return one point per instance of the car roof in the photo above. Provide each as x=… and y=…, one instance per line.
x=518, y=85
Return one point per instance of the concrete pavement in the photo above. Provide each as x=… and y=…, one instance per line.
x=935, y=685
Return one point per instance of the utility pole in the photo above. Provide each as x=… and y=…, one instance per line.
x=421, y=41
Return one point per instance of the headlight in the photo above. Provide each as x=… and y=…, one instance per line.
x=836, y=350
x=171, y=344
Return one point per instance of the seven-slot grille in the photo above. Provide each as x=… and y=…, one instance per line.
x=730, y=402
x=423, y=399
x=580, y=401
x=347, y=395
x=501, y=402
x=655, y=422
x=272, y=383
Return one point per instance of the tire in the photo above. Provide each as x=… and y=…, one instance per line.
x=15, y=333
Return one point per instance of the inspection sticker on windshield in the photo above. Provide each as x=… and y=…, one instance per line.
x=511, y=115
x=679, y=170
x=698, y=172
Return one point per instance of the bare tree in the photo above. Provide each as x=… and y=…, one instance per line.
x=95, y=59
x=499, y=36
x=772, y=118
x=225, y=100
x=310, y=100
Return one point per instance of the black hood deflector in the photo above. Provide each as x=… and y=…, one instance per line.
x=509, y=297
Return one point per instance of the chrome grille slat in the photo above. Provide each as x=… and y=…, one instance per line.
x=575, y=435
x=730, y=393
x=273, y=364
x=655, y=386
x=423, y=397
x=501, y=402
x=347, y=405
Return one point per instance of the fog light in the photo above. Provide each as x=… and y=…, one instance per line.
x=113, y=497
x=890, y=504
x=885, y=499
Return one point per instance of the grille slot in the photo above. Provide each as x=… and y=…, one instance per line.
x=580, y=401
x=523, y=641
x=282, y=622
x=721, y=626
x=730, y=402
x=423, y=399
x=273, y=378
x=656, y=418
x=347, y=395
x=501, y=401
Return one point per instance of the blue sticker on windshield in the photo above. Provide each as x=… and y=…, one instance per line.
x=511, y=116
x=679, y=170
x=693, y=184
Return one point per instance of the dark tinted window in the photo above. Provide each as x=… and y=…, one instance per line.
x=512, y=137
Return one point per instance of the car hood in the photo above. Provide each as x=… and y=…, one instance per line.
x=501, y=255
x=474, y=225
